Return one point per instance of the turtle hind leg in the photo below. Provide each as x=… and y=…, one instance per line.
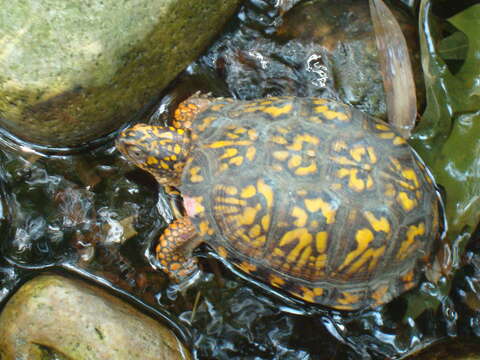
x=174, y=249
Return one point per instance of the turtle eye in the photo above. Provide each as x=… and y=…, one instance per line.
x=136, y=153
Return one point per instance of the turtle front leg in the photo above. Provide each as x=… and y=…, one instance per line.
x=174, y=249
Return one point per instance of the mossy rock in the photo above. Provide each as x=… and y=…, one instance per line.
x=54, y=317
x=72, y=71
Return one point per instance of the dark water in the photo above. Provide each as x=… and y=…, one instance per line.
x=93, y=214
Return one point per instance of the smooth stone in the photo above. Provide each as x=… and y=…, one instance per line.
x=52, y=317
x=73, y=71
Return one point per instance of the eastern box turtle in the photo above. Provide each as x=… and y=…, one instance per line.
x=306, y=194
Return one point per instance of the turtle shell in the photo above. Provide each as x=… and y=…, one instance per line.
x=312, y=197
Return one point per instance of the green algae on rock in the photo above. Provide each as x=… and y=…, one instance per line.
x=73, y=71
x=53, y=316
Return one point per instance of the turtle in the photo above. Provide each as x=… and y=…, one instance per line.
x=308, y=195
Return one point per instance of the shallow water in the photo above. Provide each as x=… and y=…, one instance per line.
x=93, y=214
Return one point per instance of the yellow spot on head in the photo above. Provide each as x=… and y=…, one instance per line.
x=151, y=160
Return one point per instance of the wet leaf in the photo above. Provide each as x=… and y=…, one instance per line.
x=448, y=138
x=454, y=47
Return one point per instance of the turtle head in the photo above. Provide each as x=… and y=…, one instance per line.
x=162, y=151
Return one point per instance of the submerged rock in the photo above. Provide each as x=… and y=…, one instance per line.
x=73, y=71
x=56, y=317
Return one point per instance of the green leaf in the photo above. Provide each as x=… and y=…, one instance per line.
x=448, y=137
x=454, y=47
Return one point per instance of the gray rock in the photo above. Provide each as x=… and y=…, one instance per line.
x=71, y=71
x=52, y=317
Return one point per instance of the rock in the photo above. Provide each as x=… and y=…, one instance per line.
x=345, y=30
x=57, y=316
x=73, y=71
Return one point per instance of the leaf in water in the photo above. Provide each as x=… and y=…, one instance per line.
x=454, y=47
x=468, y=22
x=448, y=138
x=450, y=143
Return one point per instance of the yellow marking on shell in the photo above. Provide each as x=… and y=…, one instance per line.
x=300, y=216
x=372, y=155
x=231, y=190
x=276, y=280
x=313, y=205
x=303, y=238
x=363, y=237
x=302, y=192
x=255, y=231
x=232, y=136
x=330, y=115
x=354, y=182
x=304, y=256
x=410, y=175
x=266, y=191
x=278, y=252
x=405, y=202
x=279, y=140
x=237, y=160
x=251, y=151
x=283, y=130
x=300, y=139
x=206, y=122
x=226, y=209
x=357, y=153
x=249, y=214
x=320, y=109
x=412, y=232
x=372, y=255
x=309, y=294
x=379, y=294
x=177, y=149
x=248, y=192
x=194, y=177
x=321, y=241
x=222, y=251
x=306, y=170
x=265, y=222
x=390, y=190
x=229, y=152
x=294, y=161
x=274, y=111
x=173, y=157
x=380, y=224
x=231, y=201
x=281, y=155
x=246, y=267
x=224, y=143
x=152, y=160
x=252, y=134
x=347, y=300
